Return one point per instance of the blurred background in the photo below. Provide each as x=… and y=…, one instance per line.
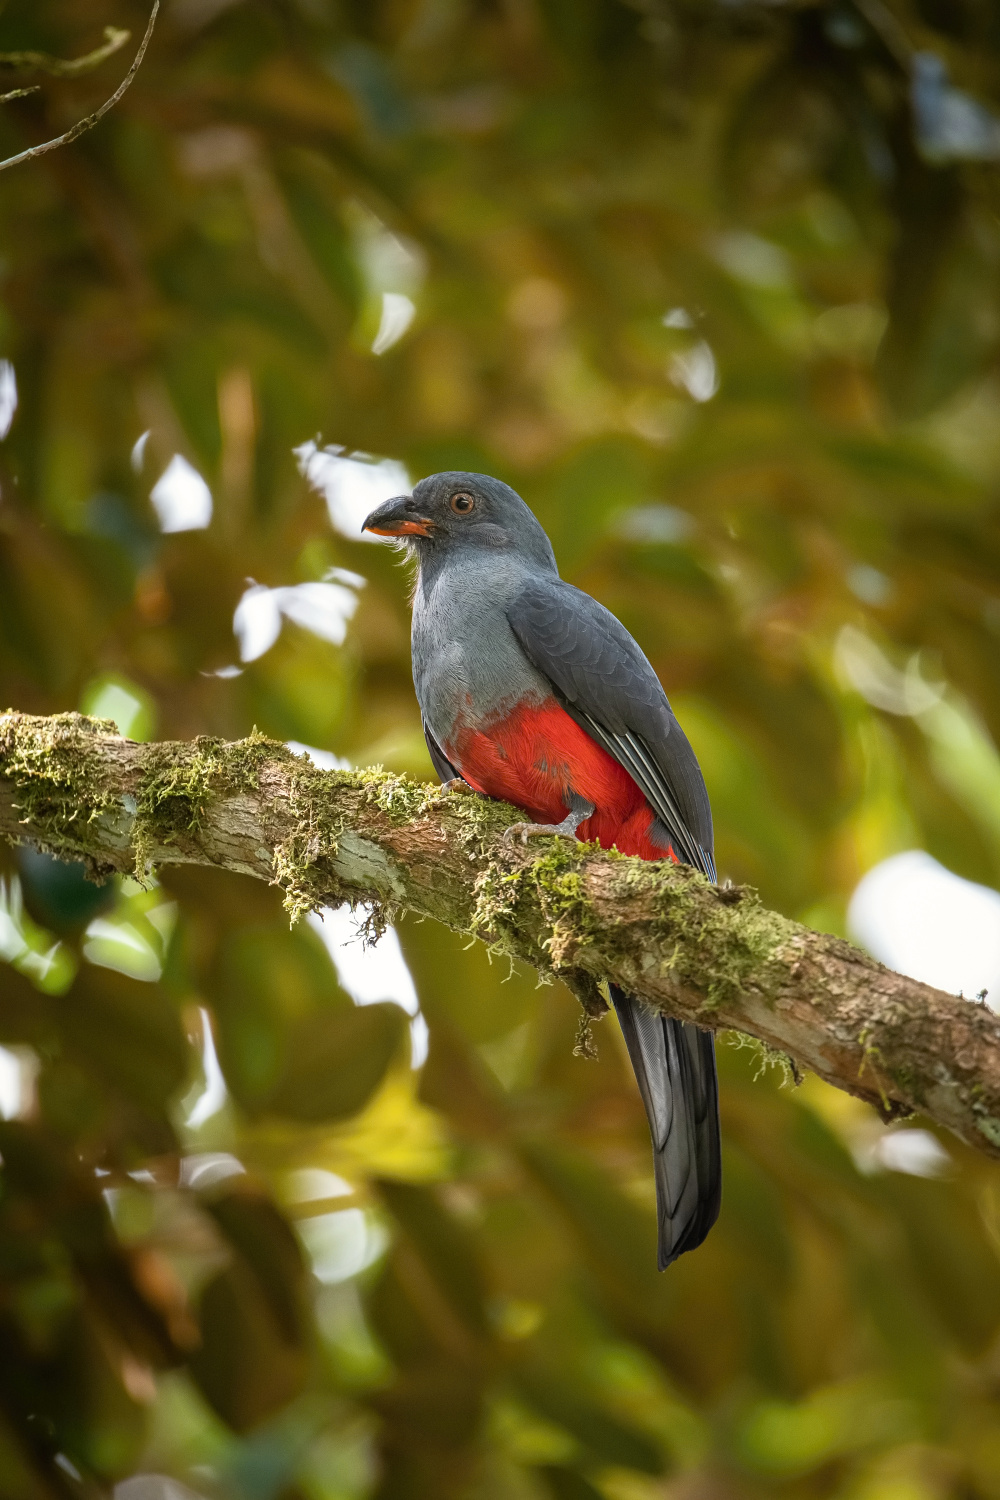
x=714, y=284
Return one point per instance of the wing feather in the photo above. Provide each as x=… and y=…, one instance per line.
x=442, y=765
x=605, y=683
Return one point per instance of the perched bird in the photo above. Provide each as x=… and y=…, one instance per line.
x=532, y=692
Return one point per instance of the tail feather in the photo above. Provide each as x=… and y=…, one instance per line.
x=674, y=1065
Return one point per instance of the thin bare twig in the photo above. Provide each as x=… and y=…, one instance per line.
x=91, y=120
x=59, y=67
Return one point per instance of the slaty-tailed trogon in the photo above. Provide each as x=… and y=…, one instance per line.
x=533, y=692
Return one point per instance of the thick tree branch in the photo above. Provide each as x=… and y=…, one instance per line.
x=708, y=954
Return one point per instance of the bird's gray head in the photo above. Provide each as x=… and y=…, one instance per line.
x=460, y=511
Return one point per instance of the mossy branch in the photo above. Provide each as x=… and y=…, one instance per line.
x=708, y=954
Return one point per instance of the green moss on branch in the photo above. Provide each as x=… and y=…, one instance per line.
x=178, y=782
x=59, y=790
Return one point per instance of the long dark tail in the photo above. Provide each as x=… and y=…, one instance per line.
x=674, y=1065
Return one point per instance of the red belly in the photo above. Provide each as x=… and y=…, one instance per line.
x=536, y=755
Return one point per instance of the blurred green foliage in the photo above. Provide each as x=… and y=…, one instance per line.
x=715, y=285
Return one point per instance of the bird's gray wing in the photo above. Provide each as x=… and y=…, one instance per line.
x=442, y=765
x=603, y=680
x=605, y=683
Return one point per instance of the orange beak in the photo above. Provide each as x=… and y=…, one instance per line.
x=419, y=527
x=398, y=517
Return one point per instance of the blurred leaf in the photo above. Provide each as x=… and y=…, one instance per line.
x=566, y=1484
x=59, y=895
x=253, y=1354
x=952, y=1256
x=337, y=1061
x=608, y=1439
x=445, y=1250
x=455, y=1082
x=128, y=1031
x=244, y=1368
x=754, y=1204
x=23, y=1479
x=264, y=983
x=39, y=1171
x=430, y=1416
x=615, y=1234
x=73, y=1314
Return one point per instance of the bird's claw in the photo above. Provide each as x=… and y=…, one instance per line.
x=456, y=784
x=536, y=830
x=567, y=829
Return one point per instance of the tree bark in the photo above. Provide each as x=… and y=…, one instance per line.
x=709, y=954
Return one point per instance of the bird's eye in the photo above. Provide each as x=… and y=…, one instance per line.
x=462, y=503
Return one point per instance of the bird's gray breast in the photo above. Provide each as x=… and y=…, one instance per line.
x=467, y=664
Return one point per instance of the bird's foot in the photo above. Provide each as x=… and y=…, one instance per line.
x=456, y=787
x=527, y=831
x=566, y=829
